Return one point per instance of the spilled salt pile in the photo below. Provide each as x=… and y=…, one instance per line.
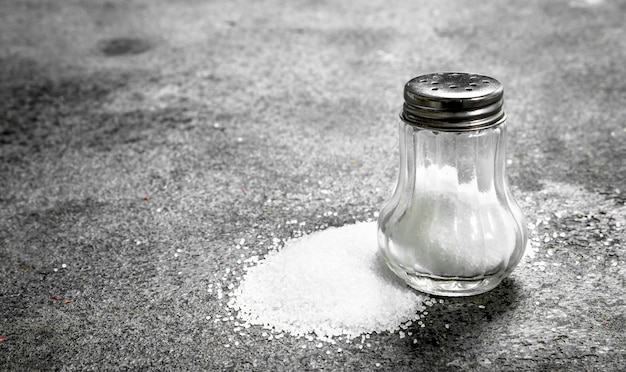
x=329, y=283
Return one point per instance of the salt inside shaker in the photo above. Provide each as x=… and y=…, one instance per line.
x=451, y=226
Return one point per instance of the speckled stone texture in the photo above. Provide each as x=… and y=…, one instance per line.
x=142, y=141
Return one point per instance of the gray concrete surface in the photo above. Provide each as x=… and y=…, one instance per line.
x=140, y=142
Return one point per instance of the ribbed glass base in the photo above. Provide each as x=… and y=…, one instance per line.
x=450, y=287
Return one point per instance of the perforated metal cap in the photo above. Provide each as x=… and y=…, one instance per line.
x=453, y=101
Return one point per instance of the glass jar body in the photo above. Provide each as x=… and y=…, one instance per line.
x=451, y=226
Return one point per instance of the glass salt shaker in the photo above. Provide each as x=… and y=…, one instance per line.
x=451, y=226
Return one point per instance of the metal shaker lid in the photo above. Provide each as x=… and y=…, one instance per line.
x=453, y=101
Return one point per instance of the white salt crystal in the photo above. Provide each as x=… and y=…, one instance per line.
x=329, y=283
x=424, y=230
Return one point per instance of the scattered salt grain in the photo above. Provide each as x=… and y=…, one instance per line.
x=329, y=283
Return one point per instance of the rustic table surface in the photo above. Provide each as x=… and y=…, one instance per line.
x=141, y=141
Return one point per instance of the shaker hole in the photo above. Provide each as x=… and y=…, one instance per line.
x=472, y=84
x=435, y=82
x=435, y=88
x=486, y=81
x=423, y=81
x=469, y=89
x=453, y=86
